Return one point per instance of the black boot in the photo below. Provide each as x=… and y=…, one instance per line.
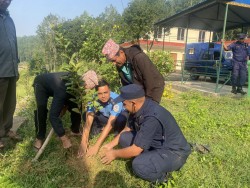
x=240, y=90
x=234, y=91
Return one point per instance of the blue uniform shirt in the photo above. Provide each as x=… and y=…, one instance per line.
x=109, y=109
x=240, y=51
x=156, y=128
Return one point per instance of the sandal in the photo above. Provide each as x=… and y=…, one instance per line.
x=38, y=143
x=12, y=135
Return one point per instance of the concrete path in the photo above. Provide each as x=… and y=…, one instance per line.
x=203, y=85
x=17, y=122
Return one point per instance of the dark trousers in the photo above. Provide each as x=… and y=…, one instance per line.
x=40, y=118
x=239, y=74
x=152, y=165
x=100, y=121
x=40, y=115
x=7, y=104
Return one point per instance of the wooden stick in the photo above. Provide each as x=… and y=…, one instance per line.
x=40, y=151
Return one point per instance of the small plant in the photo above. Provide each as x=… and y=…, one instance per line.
x=75, y=86
x=168, y=93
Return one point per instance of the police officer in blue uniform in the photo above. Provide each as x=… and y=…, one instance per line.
x=240, y=57
x=102, y=120
x=152, y=138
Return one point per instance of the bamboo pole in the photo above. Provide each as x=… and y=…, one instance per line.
x=40, y=151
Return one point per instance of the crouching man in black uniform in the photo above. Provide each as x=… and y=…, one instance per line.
x=152, y=137
x=53, y=85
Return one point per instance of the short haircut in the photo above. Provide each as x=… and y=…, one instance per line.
x=102, y=83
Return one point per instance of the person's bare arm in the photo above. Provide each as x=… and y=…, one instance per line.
x=93, y=150
x=85, y=135
x=129, y=152
x=115, y=141
x=224, y=45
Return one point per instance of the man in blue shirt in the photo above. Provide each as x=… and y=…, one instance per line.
x=103, y=120
x=240, y=57
x=153, y=137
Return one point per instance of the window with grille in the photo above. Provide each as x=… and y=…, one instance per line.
x=180, y=34
x=201, y=36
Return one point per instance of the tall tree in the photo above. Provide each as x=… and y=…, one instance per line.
x=47, y=35
x=175, y=6
x=73, y=31
x=140, y=16
x=97, y=31
x=27, y=47
x=112, y=23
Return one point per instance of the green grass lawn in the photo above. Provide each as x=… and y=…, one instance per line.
x=222, y=123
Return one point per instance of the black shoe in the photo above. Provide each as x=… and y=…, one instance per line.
x=234, y=91
x=240, y=90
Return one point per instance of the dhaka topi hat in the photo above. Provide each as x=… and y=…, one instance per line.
x=129, y=92
x=110, y=49
x=241, y=36
x=90, y=78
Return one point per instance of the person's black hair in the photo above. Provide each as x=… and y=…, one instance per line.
x=102, y=83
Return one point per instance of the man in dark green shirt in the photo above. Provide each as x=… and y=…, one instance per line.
x=135, y=67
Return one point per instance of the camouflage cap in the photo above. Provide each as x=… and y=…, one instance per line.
x=90, y=78
x=110, y=49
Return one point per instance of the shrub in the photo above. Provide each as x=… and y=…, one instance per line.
x=163, y=61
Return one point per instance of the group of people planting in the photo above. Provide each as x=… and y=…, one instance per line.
x=144, y=130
